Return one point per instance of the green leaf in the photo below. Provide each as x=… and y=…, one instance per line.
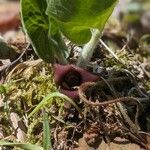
x=21, y=145
x=36, y=24
x=54, y=33
x=46, y=131
x=44, y=34
x=76, y=18
x=48, y=99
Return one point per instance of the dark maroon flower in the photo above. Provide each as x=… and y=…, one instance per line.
x=69, y=77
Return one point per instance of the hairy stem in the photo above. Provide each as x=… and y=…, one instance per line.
x=61, y=58
x=88, y=49
x=62, y=52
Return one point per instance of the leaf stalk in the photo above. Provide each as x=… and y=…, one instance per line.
x=88, y=49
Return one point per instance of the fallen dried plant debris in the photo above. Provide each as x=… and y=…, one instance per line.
x=103, y=100
x=25, y=86
x=110, y=108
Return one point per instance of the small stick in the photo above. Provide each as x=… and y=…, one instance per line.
x=109, y=50
x=121, y=99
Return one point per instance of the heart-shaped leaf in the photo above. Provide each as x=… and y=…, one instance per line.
x=76, y=18
x=36, y=24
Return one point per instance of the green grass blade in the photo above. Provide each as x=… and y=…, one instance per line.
x=46, y=133
x=49, y=97
x=24, y=146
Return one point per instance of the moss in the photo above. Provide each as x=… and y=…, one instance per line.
x=26, y=85
x=31, y=84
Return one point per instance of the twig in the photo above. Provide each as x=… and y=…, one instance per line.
x=105, y=103
x=133, y=127
x=109, y=50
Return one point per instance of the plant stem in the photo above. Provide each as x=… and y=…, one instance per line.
x=88, y=49
x=61, y=58
x=63, y=52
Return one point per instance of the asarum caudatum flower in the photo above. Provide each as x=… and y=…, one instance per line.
x=70, y=77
